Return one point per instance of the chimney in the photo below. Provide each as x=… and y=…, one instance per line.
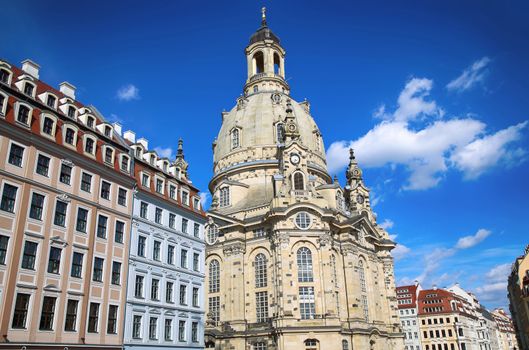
x=117, y=128
x=67, y=89
x=31, y=68
x=129, y=135
x=144, y=143
x=434, y=287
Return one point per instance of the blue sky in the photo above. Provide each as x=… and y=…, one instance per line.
x=432, y=96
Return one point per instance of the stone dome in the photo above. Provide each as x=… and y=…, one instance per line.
x=256, y=117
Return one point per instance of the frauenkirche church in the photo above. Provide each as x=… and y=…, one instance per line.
x=293, y=260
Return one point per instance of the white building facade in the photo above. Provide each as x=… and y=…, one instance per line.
x=165, y=294
x=408, y=314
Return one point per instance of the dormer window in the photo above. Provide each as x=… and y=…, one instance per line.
x=23, y=114
x=90, y=122
x=124, y=163
x=50, y=101
x=153, y=158
x=164, y=166
x=28, y=89
x=69, y=136
x=47, y=126
x=71, y=111
x=138, y=152
x=3, y=100
x=108, y=131
x=89, y=146
x=4, y=76
x=109, y=155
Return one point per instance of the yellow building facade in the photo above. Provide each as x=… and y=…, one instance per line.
x=293, y=259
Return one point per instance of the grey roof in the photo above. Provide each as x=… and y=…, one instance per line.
x=263, y=33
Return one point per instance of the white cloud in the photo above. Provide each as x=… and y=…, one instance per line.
x=470, y=241
x=393, y=237
x=386, y=224
x=428, y=152
x=476, y=157
x=470, y=76
x=165, y=152
x=400, y=251
x=499, y=272
x=204, y=196
x=128, y=92
x=494, y=288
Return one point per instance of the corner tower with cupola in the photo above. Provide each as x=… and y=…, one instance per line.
x=293, y=260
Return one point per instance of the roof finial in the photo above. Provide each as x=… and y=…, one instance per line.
x=180, y=151
x=263, y=20
x=351, y=154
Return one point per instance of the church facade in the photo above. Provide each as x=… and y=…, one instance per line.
x=293, y=259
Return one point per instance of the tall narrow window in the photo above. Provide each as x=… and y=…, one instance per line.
x=116, y=273
x=260, y=271
x=47, y=126
x=172, y=220
x=299, y=182
x=60, y=213
x=119, y=232
x=4, y=76
x=93, y=317
x=8, y=198
x=214, y=276
x=235, y=141
x=50, y=101
x=141, y=246
x=16, y=153
x=138, y=287
x=181, y=330
x=71, y=111
x=86, y=182
x=184, y=225
x=122, y=196
x=214, y=308
x=306, y=303
x=196, y=230
x=304, y=260
x=89, y=146
x=112, y=319
x=136, y=327
x=43, y=165
x=66, y=174
x=158, y=215
x=194, y=332
x=155, y=287
x=109, y=153
x=28, y=89
x=29, y=256
x=77, y=265
x=183, y=294
x=280, y=133
x=261, y=303
x=102, y=226
x=363, y=289
x=48, y=311
x=156, y=255
x=224, y=197
x=23, y=114
x=98, y=270
x=21, y=311
x=183, y=258
x=71, y=315
x=153, y=325
x=168, y=329
x=143, y=210
x=2, y=104
x=82, y=220
x=170, y=254
x=124, y=163
x=169, y=286
x=4, y=241
x=105, y=190
x=195, y=297
x=37, y=205
x=69, y=137
x=54, y=262
x=196, y=257
x=90, y=122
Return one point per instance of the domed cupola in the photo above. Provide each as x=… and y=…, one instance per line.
x=266, y=62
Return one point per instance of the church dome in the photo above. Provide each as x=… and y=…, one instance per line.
x=257, y=122
x=263, y=33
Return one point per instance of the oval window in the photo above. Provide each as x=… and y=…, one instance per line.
x=303, y=220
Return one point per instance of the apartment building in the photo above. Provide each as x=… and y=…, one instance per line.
x=66, y=199
x=409, y=316
x=165, y=294
x=506, y=334
x=518, y=287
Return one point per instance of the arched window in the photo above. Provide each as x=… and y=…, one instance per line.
x=235, y=139
x=109, y=155
x=258, y=61
x=260, y=271
x=213, y=233
x=280, y=133
x=311, y=344
x=363, y=288
x=277, y=64
x=4, y=76
x=345, y=345
x=299, y=182
x=214, y=276
x=304, y=259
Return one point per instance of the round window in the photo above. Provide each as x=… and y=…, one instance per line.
x=303, y=220
x=213, y=234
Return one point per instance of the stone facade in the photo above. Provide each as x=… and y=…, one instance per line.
x=294, y=260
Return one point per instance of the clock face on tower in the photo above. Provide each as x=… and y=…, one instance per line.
x=294, y=158
x=359, y=199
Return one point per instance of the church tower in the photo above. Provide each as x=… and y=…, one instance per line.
x=293, y=260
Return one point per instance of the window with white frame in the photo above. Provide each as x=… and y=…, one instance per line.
x=109, y=155
x=214, y=308
x=3, y=104
x=185, y=197
x=70, y=135
x=307, y=306
x=5, y=76
x=214, y=276
x=48, y=125
x=23, y=114
x=136, y=327
x=51, y=100
x=124, y=163
x=261, y=306
x=29, y=89
x=260, y=271
x=212, y=233
x=90, y=144
x=304, y=261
